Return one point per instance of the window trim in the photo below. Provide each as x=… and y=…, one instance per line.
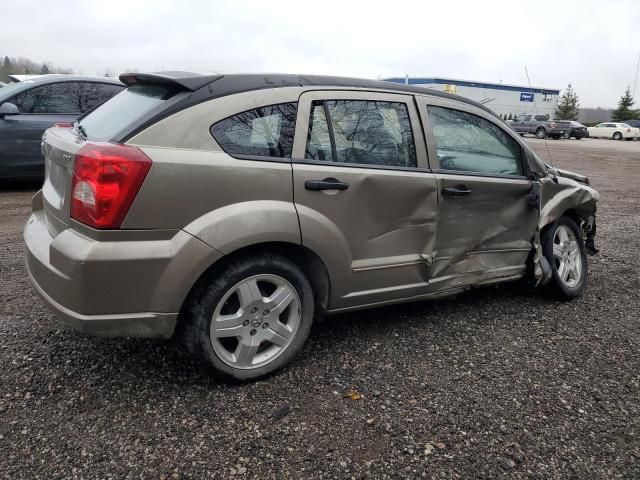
x=424, y=101
x=266, y=158
x=306, y=99
x=77, y=114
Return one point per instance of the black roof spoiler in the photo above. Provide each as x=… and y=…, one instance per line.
x=184, y=80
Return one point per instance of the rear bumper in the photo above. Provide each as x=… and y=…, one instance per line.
x=129, y=288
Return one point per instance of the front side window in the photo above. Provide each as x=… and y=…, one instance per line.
x=469, y=143
x=265, y=131
x=361, y=132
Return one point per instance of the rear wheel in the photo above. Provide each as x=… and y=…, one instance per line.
x=250, y=319
x=617, y=136
x=563, y=246
x=566, y=135
x=541, y=133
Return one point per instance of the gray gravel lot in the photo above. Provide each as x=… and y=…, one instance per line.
x=495, y=383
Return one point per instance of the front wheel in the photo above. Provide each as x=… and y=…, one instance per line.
x=566, y=135
x=563, y=247
x=249, y=319
x=541, y=133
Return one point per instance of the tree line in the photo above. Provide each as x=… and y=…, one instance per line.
x=569, y=106
x=24, y=66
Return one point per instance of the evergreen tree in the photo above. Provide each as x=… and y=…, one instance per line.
x=45, y=69
x=624, y=111
x=568, y=106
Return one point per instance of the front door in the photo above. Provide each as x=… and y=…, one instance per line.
x=366, y=201
x=485, y=223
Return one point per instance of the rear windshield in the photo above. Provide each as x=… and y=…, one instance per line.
x=125, y=108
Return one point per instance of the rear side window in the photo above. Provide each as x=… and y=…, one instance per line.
x=125, y=108
x=64, y=97
x=361, y=132
x=469, y=143
x=263, y=132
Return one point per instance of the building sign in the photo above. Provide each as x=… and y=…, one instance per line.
x=526, y=97
x=449, y=88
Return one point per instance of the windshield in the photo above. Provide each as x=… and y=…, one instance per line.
x=125, y=108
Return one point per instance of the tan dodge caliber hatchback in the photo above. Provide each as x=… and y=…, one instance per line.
x=233, y=210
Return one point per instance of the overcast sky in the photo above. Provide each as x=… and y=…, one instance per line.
x=592, y=44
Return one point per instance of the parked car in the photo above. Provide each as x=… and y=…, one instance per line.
x=633, y=123
x=539, y=125
x=576, y=131
x=233, y=210
x=616, y=131
x=29, y=107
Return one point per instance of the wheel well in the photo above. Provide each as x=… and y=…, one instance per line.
x=572, y=214
x=312, y=266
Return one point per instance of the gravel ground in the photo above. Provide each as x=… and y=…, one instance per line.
x=495, y=383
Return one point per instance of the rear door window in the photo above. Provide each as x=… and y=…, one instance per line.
x=49, y=99
x=469, y=143
x=262, y=132
x=361, y=132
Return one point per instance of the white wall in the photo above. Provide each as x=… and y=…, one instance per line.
x=505, y=102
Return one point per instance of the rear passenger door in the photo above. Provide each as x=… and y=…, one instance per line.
x=485, y=224
x=364, y=195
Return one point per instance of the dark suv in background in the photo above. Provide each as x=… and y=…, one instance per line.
x=28, y=108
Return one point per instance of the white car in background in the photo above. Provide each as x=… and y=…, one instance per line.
x=616, y=131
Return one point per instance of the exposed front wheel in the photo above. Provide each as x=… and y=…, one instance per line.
x=541, y=133
x=566, y=135
x=250, y=319
x=563, y=247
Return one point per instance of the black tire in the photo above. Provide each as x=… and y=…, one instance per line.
x=556, y=287
x=195, y=321
x=617, y=136
x=566, y=135
x=541, y=133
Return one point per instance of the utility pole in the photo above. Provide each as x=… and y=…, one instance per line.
x=635, y=81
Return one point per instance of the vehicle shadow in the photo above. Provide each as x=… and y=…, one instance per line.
x=163, y=363
x=20, y=185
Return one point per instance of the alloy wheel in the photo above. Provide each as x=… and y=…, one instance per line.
x=255, y=321
x=567, y=256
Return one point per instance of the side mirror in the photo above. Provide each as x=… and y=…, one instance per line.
x=8, y=108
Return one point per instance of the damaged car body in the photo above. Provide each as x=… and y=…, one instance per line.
x=233, y=210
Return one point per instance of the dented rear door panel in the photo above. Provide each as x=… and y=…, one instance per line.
x=376, y=237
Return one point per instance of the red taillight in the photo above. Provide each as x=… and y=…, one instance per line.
x=106, y=180
x=628, y=130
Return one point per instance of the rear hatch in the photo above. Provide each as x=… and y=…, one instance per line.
x=99, y=130
x=60, y=147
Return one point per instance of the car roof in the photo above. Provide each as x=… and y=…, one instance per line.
x=219, y=85
x=57, y=78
